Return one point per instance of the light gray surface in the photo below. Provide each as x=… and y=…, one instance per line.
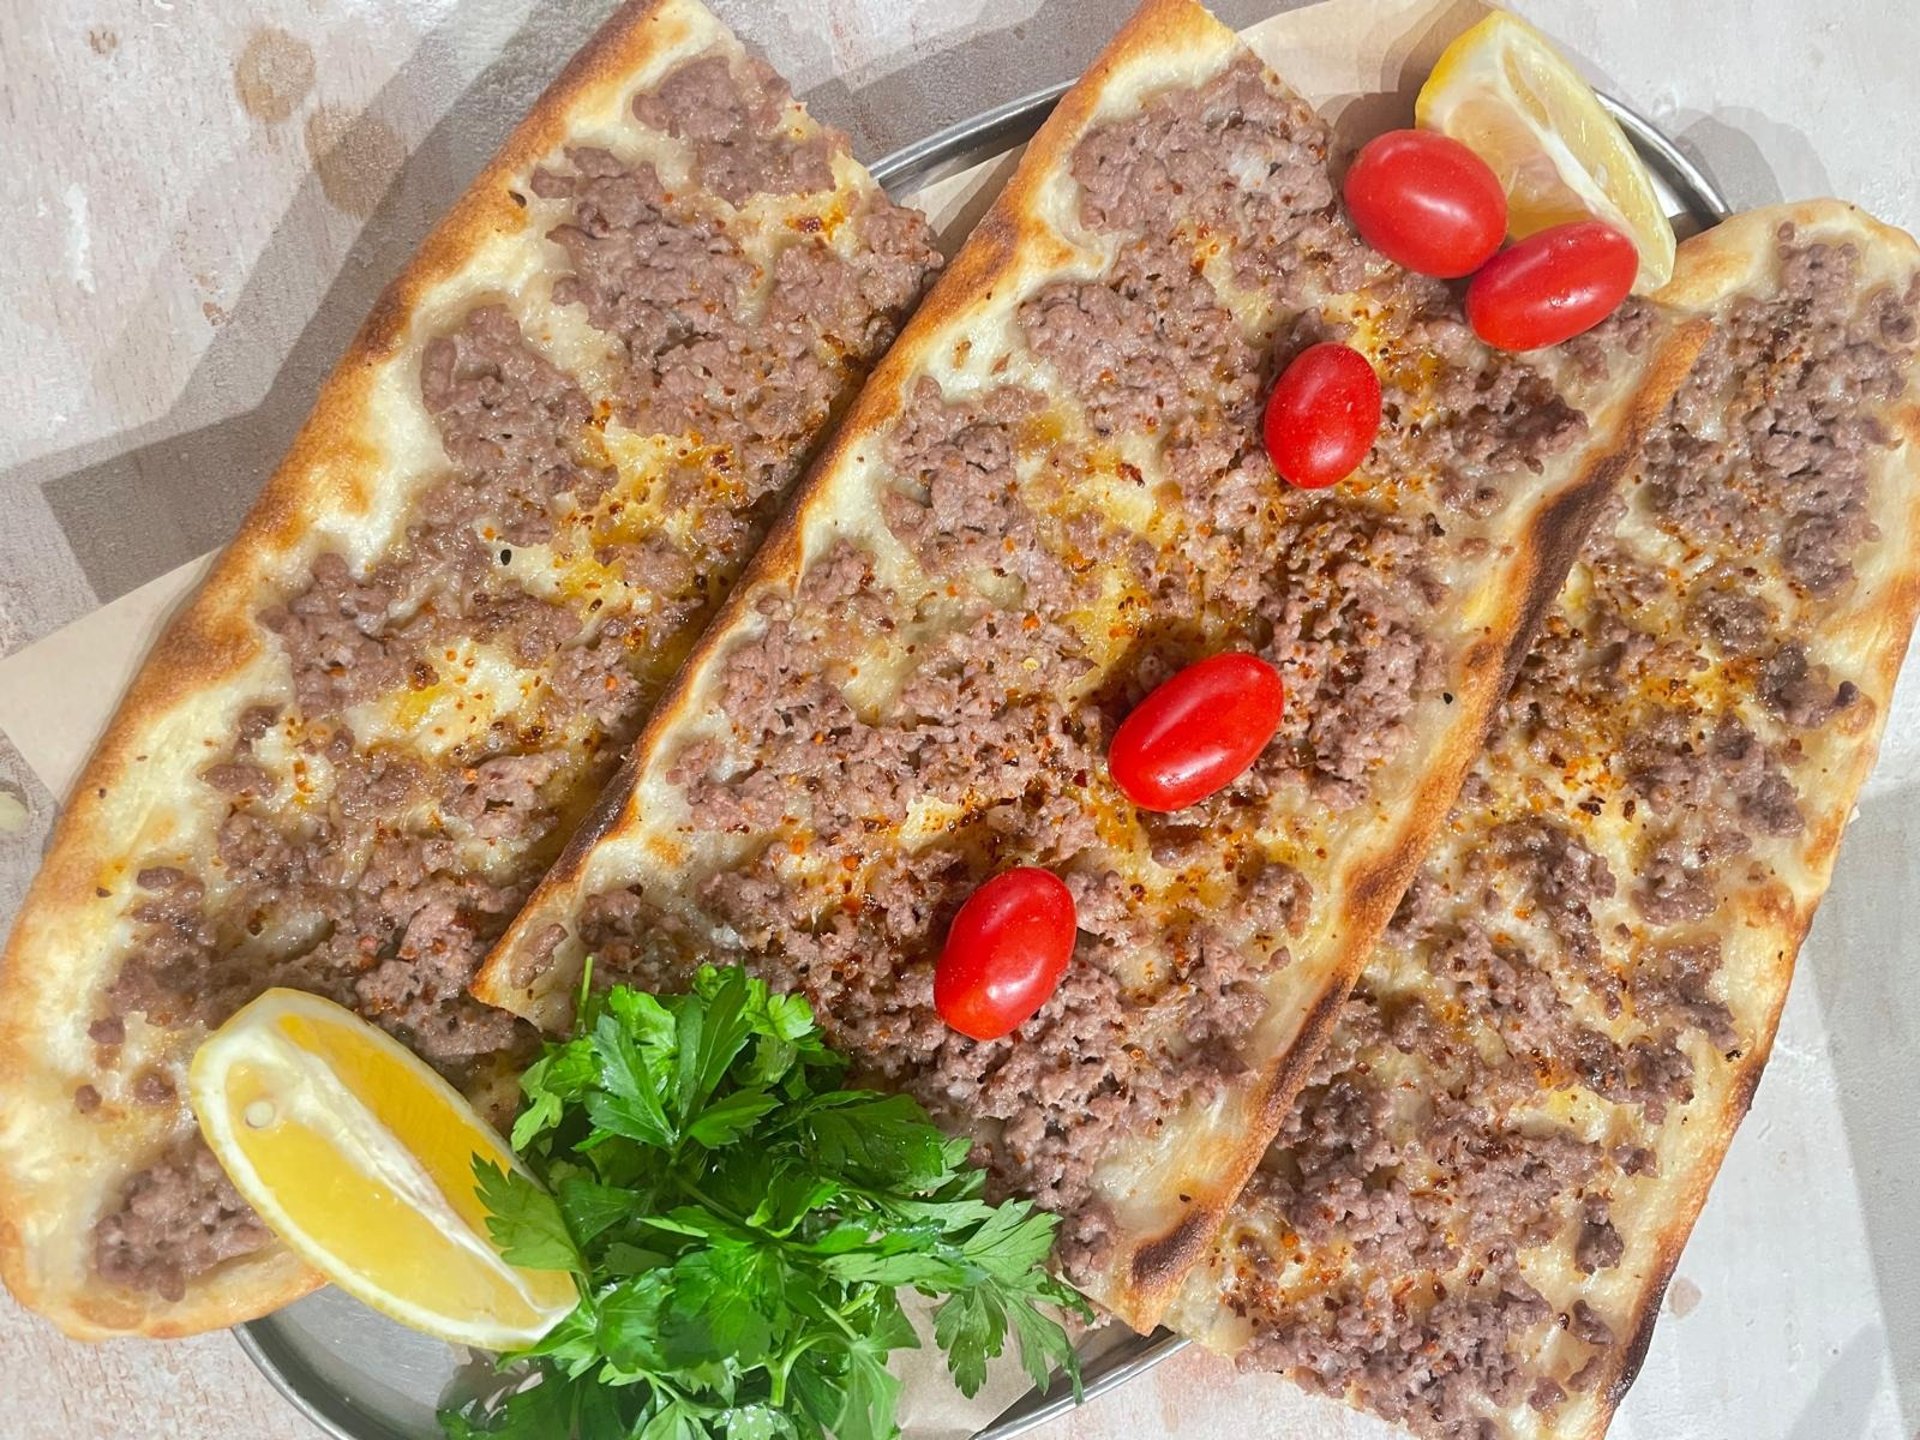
x=177, y=273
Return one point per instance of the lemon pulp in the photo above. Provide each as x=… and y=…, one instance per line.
x=360, y=1157
x=1502, y=90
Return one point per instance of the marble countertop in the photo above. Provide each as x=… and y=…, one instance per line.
x=200, y=203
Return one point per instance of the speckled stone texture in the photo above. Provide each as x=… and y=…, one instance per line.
x=201, y=203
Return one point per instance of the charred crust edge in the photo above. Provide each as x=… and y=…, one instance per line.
x=1163, y=1262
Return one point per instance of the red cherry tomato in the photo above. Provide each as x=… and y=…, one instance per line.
x=1552, y=286
x=1426, y=202
x=1323, y=415
x=1196, y=732
x=1005, y=953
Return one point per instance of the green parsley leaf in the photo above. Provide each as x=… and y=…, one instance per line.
x=675, y=1420
x=628, y=1327
x=591, y=1208
x=1013, y=1242
x=632, y=1103
x=911, y=1267
x=881, y=1140
x=556, y=1080
x=712, y=1034
x=757, y=1422
x=788, y=1196
x=742, y=1226
x=716, y=1313
x=574, y=1344
x=524, y=1221
x=820, y=1397
x=971, y=1326
x=730, y=1117
x=540, y=1410
x=872, y=1390
x=1044, y=1347
x=645, y=1019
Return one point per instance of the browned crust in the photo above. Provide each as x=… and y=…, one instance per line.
x=216, y=636
x=1162, y=1263
x=1145, y=1271
x=984, y=256
x=1625, y=1362
x=1634, y=1353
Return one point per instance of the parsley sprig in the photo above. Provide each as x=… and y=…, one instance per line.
x=739, y=1224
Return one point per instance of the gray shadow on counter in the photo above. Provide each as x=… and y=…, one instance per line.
x=1863, y=958
x=158, y=499
x=1054, y=43
x=1839, y=1407
x=1756, y=160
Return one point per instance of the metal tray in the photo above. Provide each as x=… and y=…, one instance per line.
x=360, y=1376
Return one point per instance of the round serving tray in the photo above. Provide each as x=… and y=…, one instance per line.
x=360, y=1376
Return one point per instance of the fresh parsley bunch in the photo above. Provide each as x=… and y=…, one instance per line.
x=739, y=1224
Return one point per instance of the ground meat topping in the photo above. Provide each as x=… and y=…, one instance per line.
x=666, y=280
x=1552, y=957
x=1802, y=695
x=1584, y=1323
x=1674, y=983
x=1722, y=774
x=178, y=1218
x=1345, y=1171
x=734, y=114
x=1739, y=623
x=981, y=725
x=1345, y=606
x=956, y=497
x=108, y=1030
x=378, y=873
x=1238, y=157
x=1486, y=423
x=1598, y=1247
x=1150, y=349
x=1770, y=443
x=1561, y=874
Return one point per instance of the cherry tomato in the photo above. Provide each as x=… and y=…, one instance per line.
x=1551, y=286
x=1005, y=953
x=1323, y=415
x=1427, y=202
x=1196, y=732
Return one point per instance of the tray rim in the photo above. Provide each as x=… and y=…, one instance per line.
x=943, y=153
x=261, y=1342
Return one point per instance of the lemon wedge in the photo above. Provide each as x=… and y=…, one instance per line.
x=1504, y=92
x=360, y=1157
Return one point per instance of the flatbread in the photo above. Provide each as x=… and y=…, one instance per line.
x=1050, y=494
x=1468, y=1222
x=547, y=454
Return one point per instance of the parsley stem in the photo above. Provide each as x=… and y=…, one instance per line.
x=672, y=1391
x=693, y=1192
x=778, y=1371
x=840, y=1318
